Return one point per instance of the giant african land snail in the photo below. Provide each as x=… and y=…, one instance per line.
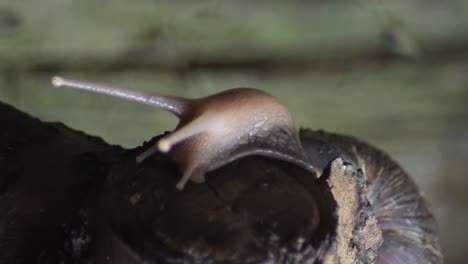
x=221, y=128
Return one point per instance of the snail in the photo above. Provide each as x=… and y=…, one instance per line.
x=217, y=129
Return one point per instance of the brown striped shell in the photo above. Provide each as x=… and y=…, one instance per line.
x=408, y=227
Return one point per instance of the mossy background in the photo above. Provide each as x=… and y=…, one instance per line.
x=392, y=72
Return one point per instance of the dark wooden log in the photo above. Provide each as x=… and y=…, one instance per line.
x=48, y=180
x=71, y=198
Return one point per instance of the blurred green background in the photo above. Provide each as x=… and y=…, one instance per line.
x=392, y=72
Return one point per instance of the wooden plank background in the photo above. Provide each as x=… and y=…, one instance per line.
x=392, y=72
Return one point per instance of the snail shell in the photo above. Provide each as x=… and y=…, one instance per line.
x=408, y=227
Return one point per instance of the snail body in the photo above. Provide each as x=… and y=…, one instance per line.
x=216, y=129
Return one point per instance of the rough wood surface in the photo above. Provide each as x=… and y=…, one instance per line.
x=46, y=181
x=68, y=197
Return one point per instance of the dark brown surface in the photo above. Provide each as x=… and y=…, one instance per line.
x=73, y=198
x=47, y=183
x=68, y=197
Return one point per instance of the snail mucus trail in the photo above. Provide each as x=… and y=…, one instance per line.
x=217, y=129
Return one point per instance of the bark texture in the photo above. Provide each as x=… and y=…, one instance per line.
x=69, y=197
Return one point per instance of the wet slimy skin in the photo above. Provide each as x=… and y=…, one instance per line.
x=216, y=129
